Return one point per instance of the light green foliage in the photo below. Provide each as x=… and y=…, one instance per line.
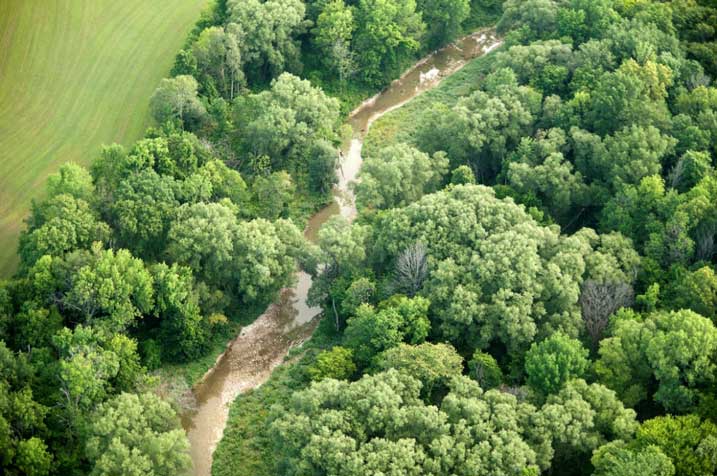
x=617, y=459
x=265, y=258
x=58, y=226
x=32, y=458
x=496, y=275
x=111, y=291
x=482, y=127
x=539, y=168
x=545, y=65
x=387, y=33
x=219, y=59
x=694, y=125
x=333, y=34
x=250, y=259
x=674, y=348
x=93, y=366
x=585, y=19
x=266, y=35
x=226, y=183
x=434, y=365
x=143, y=208
x=632, y=96
x=554, y=361
x=202, y=237
x=637, y=152
x=691, y=444
x=371, y=331
x=695, y=290
x=462, y=175
x=443, y=19
x=689, y=170
x=380, y=425
x=176, y=99
x=285, y=121
x=342, y=244
x=336, y=363
x=272, y=194
x=360, y=291
x=582, y=417
x=137, y=434
x=397, y=176
x=35, y=327
x=71, y=179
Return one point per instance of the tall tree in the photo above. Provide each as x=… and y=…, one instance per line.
x=137, y=434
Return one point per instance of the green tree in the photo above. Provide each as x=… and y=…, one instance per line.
x=485, y=370
x=202, y=238
x=695, y=290
x=272, y=195
x=397, y=176
x=143, y=209
x=226, y=183
x=387, y=34
x=137, y=434
x=219, y=60
x=443, y=19
x=533, y=19
x=380, y=425
x=111, y=291
x=184, y=333
x=372, y=330
x=434, y=365
x=267, y=35
x=673, y=348
x=489, y=264
x=554, y=361
x=177, y=99
x=618, y=459
x=637, y=152
x=71, y=179
x=58, y=226
x=22, y=419
x=265, y=257
x=336, y=363
x=691, y=444
x=581, y=418
x=284, y=122
x=584, y=19
x=333, y=34
x=689, y=170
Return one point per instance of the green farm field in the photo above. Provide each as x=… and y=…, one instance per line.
x=74, y=75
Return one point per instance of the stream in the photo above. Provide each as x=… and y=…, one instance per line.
x=250, y=358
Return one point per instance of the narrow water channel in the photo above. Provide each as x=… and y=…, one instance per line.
x=250, y=358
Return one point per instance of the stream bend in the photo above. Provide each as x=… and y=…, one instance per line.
x=250, y=358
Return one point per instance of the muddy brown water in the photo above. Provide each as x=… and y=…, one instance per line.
x=250, y=358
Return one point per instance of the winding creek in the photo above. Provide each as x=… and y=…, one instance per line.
x=250, y=358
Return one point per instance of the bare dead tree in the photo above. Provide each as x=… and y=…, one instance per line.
x=411, y=269
x=599, y=301
x=676, y=174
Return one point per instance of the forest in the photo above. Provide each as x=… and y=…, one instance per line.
x=528, y=287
